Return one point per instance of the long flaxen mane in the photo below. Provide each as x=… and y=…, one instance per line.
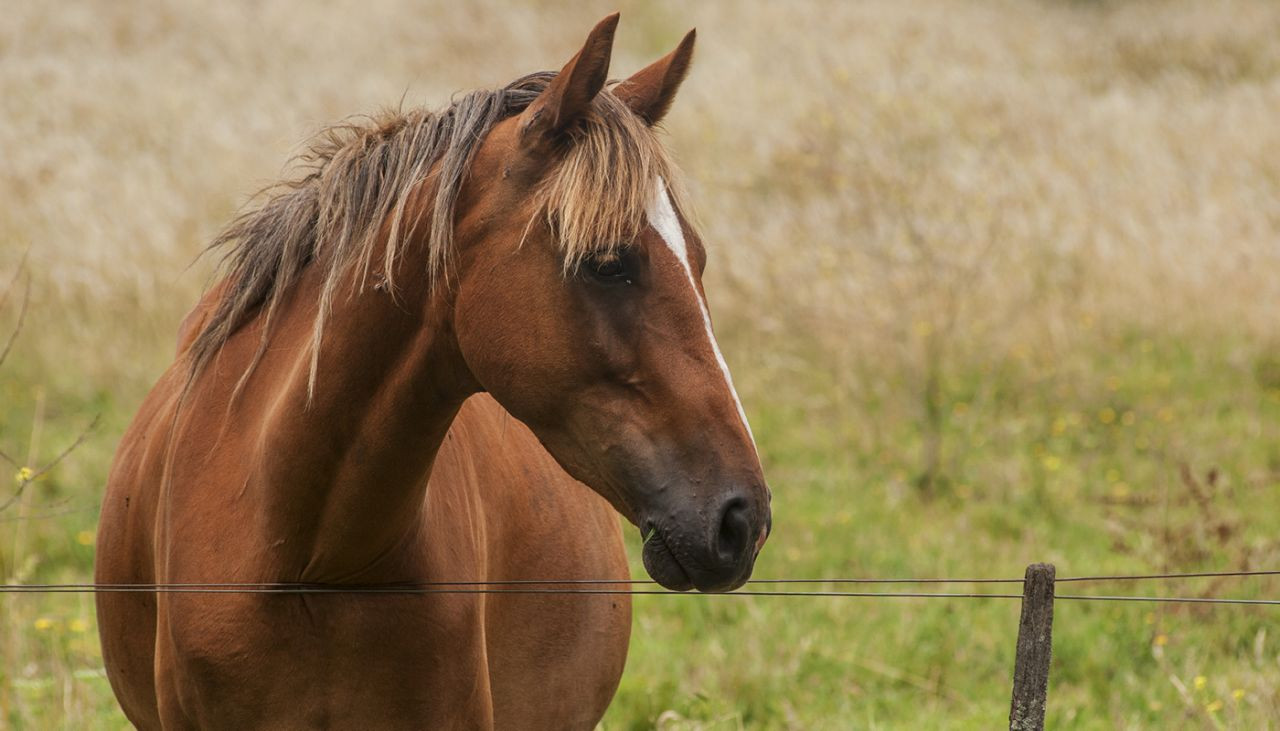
x=355, y=182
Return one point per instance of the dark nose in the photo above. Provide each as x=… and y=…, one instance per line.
x=735, y=537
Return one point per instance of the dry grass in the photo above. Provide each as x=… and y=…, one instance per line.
x=1004, y=168
x=1006, y=171
x=901, y=200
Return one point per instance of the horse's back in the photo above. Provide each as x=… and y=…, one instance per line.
x=554, y=659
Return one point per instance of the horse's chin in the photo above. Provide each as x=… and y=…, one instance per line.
x=663, y=566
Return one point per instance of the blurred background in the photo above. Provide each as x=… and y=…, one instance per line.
x=999, y=282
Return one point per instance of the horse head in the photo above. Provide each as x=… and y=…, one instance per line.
x=578, y=305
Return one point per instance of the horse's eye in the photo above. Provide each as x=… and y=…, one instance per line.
x=608, y=267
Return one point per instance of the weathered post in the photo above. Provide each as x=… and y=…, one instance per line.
x=1035, y=648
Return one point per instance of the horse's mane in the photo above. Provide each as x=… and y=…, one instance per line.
x=355, y=177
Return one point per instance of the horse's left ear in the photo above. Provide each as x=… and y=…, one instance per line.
x=649, y=92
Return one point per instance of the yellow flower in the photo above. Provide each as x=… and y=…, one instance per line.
x=1052, y=462
x=1200, y=681
x=1162, y=640
x=1237, y=694
x=85, y=538
x=1120, y=490
x=78, y=625
x=1113, y=475
x=1059, y=425
x=1214, y=706
x=44, y=624
x=1107, y=415
x=24, y=475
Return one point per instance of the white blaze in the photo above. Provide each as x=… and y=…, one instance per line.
x=662, y=216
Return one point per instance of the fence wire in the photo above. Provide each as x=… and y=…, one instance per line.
x=613, y=587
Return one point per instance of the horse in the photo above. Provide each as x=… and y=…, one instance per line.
x=452, y=347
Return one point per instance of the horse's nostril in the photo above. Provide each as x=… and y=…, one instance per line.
x=735, y=529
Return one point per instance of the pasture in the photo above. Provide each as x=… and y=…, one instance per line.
x=999, y=282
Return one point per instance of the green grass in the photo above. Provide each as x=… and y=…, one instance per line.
x=1099, y=463
x=1080, y=469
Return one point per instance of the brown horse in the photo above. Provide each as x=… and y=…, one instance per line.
x=434, y=352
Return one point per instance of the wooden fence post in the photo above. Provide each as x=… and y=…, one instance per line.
x=1035, y=647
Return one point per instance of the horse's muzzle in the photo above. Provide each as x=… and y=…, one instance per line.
x=718, y=560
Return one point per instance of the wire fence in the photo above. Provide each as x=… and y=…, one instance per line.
x=627, y=587
x=1029, y=699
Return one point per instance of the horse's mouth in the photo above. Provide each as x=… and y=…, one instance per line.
x=662, y=565
x=666, y=567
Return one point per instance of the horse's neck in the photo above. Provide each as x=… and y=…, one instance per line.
x=344, y=470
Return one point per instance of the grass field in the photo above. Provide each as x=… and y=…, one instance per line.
x=999, y=282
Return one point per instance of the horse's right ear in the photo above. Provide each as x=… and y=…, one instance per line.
x=568, y=97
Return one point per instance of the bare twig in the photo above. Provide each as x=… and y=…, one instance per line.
x=22, y=310
x=27, y=475
x=61, y=509
x=37, y=473
x=4, y=298
x=22, y=265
